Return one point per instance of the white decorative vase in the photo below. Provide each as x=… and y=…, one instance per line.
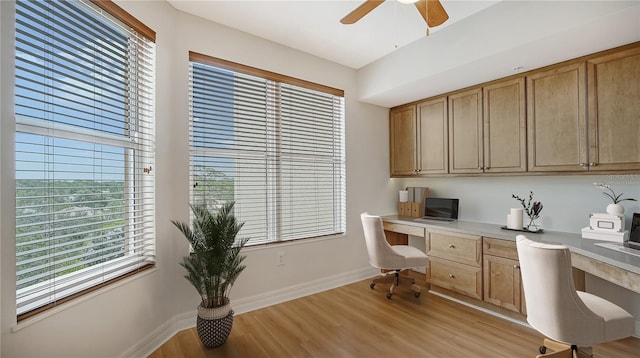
x=615, y=209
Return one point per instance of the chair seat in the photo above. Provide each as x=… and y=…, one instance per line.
x=618, y=323
x=413, y=256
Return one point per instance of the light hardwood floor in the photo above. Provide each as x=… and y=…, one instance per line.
x=356, y=321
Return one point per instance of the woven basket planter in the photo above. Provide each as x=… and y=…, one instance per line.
x=214, y=325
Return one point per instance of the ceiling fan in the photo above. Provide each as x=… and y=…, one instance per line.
x=431, y=10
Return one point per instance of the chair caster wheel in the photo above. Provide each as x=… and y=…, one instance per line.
x=417, y=294
x=542, y=349
x=388, y=296
x=372, y=285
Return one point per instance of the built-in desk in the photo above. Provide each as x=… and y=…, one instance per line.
x=616, y=267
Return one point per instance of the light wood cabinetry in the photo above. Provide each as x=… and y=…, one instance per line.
x=505, y=127
x=465, y=132
x=455, y=262
x=501, y=269
x=556, y=119
x=418, y=138
x=614, y=111
x=402, y=130
x=433, y=151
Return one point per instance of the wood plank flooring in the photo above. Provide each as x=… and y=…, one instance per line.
x=356, y=321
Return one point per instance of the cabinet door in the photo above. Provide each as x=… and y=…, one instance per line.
x=465, y=132
x=502, y=284
x=505, y=135
x=614, y=111
x=556, y=120
x=432, y=137
x=402, y=129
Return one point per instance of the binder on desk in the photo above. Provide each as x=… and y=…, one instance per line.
x=415, y=206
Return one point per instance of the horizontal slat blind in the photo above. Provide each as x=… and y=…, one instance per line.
x=276, y=149
x=84, y=151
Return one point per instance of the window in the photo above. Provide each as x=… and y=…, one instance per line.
x=272, y=144
x=84, y=149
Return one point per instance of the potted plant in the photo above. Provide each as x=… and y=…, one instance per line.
x=212, y=267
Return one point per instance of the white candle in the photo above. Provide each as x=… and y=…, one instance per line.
x=516, y=218
x=404, y=196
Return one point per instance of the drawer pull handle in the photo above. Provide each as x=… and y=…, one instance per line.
x=451, y=246
x=516, y=267
x=452, y=275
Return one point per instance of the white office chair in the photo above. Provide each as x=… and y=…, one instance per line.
x=558, y=311
x=387, y=257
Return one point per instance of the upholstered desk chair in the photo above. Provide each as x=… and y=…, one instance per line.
x=387, y=257
x=558, y=311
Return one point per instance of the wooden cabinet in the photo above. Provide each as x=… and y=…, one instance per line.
x=556, y=119
x=487, y=129
x=455, y=262
x=614, y=111
x=502, y=280
x=465, y=132
x=418, y=138
x=432, y=143
x=402, y=130
x=505, y=127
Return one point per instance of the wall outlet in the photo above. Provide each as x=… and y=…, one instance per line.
x=280, y=258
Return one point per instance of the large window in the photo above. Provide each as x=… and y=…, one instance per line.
x=272, y=144
x=84, y=149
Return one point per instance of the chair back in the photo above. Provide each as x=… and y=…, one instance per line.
x=553, y=305
x=381, y=255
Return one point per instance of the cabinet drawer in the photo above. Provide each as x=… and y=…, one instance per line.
x=457, y=277
x=500, y=248
x=403, y=229
x=462, y=248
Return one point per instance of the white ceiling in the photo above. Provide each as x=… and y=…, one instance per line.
x=396, y=63
x=313, y=26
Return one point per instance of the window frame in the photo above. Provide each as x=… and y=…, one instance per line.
x=139, y=141
x=273, y=143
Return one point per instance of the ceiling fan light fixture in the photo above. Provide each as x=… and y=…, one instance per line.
x=408, y=1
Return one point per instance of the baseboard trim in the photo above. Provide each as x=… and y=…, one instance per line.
x=186, y=320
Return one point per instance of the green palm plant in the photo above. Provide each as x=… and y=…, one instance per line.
x=215, y=262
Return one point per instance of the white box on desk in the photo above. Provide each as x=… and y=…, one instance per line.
x=606, y=222
x=588, y=233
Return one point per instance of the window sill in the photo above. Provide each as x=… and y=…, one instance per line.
x=57, y=309
x=285, y=243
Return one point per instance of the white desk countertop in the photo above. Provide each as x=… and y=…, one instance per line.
x=575, y=242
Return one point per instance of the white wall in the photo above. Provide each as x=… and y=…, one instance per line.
x=134, y=316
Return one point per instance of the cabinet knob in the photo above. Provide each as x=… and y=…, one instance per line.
x=479, y=168
x=517, y=267
x=487, y=168
x=593, y=164
x=583, y=164
x=451, y=275
x=451, y=246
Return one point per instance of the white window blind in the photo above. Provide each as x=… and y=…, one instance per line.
x=84, y=151
x=275, y=148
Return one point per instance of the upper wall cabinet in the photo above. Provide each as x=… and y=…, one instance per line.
x=556, y=121
x=465, y=132
x=419, y=138
x=403, y=129
x=614, y=111
x=505, y=127
x=432, y=137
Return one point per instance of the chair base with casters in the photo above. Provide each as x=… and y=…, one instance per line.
x=561, y=350
x=394, y=278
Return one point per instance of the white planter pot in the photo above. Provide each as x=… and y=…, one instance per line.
x=615, y=209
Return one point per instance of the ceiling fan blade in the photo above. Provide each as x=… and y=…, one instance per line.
x=360, y=11
x=433, y=13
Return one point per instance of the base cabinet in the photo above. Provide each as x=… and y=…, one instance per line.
x=455, y=262
x=502, y=280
